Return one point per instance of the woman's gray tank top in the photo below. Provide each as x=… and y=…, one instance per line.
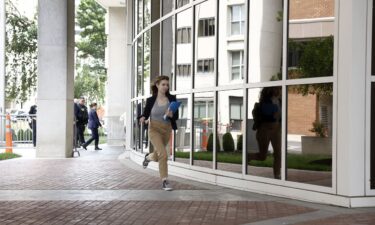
x=158, y=112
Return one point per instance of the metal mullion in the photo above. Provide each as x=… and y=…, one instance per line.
x=215, y=105
x=192, y=133
x=284, y=92
x=174, y=54
x=245, y=90
x=161, y=38
x=335, y=99
x=369, y=79
x=192, y=97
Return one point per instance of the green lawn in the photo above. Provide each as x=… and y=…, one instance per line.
x=4, y=156
x=294, y=161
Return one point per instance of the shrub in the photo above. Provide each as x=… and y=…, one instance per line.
x=239, y=143
x=228, y=142
x=20, y=135
x=210, y=143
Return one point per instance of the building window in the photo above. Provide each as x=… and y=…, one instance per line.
x=237, y=19
x=183, y=35
x=206, y=65
x=235, y=112
x=237, y=65
x=181, y=3
x=183, y=70
x=206, y=27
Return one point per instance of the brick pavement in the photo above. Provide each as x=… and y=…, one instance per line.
x=76, y=174
x=143, y=212
x=98, y=189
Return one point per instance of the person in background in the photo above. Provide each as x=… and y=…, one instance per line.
x=32, y=114
x=81, y=117
x=94, y=125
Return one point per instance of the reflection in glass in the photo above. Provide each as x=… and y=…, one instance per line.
x=310, y=44
x=203, y=129
x=168, y=6
x=229, y=129
x=264, y=132
x=140, y=15
x=146, y=62
x=181, y=3
x=139, y=66
x=137, y=108
x=309, y=137
x=147, y=13
x=184, y=50
x=155, y=53
x=144, y=132
x=266, y=40
x=182, y=137
x=238, y=15
x=205, y=45
x=372, y=136
x=168, y=34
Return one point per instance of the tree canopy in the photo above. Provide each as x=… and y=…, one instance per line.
x=20, y=55
x=91, y=72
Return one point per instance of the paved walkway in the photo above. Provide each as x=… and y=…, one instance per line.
x=98, y=188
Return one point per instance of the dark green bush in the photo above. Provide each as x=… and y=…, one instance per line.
x=239, y=143
x=228, y=142
x=210, y=143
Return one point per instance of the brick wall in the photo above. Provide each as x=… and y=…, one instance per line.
x=307, y=9
x=302, y=112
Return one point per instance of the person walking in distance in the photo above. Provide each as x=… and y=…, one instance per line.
x=157, y=107
x=81, y=116
x=32, y=114
x=94, y=125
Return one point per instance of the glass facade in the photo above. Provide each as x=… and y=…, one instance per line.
x=257, y=99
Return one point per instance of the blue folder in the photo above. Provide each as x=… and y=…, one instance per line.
x=173, y=106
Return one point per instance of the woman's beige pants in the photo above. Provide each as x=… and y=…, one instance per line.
x=159, y=134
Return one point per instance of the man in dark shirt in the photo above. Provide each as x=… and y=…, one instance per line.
x=32, y=114
x=81, y=117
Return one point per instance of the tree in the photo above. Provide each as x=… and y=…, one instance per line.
x=316, y=61
x=20, y=55
x=91, y=72
x=92, y=87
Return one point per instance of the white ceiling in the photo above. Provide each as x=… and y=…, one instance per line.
x=112, y=3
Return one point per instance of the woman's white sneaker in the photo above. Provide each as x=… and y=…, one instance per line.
x=166, y=186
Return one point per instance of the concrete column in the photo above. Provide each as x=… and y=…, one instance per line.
x=351, y=94
x=55, y=78
x=118, y=77
x=128, y=73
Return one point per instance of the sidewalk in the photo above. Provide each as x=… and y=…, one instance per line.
x=98, y=188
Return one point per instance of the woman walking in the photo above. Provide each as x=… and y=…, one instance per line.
x=93, y=125
x=161, y=123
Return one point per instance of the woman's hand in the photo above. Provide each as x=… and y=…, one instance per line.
x=141, y=120
x=169, y=113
